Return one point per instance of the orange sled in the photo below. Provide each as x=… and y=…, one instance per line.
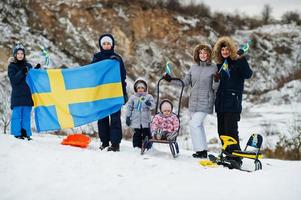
x=77, y=140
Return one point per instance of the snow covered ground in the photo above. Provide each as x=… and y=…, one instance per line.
x=45, y=169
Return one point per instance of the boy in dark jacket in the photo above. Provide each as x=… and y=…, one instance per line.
x=21, y=101
x=110, y=132
x=229, y=94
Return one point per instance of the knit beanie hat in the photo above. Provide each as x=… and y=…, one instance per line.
x=106, y=39
x=140, y=85
x=18, y=47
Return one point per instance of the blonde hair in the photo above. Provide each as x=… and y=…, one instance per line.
x=224, y=41
x=197, y=50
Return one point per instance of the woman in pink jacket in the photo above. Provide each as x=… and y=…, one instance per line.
x=165, y=124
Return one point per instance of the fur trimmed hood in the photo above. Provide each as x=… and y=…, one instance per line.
x=224, y=41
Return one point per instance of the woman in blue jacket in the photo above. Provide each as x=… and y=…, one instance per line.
x=21, y=101
x=229, y=94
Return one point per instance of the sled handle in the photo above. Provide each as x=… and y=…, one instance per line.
x=181, y=94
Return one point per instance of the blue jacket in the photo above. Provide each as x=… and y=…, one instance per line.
x=230, y=90
x=110, y=54
x=21, y=95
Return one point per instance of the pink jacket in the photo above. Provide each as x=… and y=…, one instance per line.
x=167, y=124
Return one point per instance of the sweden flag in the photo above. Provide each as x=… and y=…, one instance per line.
x=66, y=98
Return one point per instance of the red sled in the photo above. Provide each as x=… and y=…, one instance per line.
x=77, y=140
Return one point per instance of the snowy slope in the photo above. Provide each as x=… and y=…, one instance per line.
x=44, y=169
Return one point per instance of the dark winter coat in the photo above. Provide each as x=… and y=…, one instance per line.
x=21, y=95
x=110, y=54
x=229, y=93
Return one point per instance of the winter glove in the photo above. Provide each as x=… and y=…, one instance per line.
x=240, y=52
x=38, y=66
x=216, y=77
x=148, y=103
x=167, y=77
x=24, y=70
x=128, y=121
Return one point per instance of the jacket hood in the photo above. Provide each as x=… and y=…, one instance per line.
x=140, y=80
x=224, y=41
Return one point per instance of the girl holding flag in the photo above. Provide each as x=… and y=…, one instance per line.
x=109, y=128
x=21, y=101
x=232, y=72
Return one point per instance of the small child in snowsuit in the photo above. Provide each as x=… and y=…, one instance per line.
x=138, y=115
x=165, y=124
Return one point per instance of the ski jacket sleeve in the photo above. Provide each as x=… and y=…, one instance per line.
x=244, y=68
x=151, y=99
x=130, y=106
x=14, y=74
x=187, y=79
x=215, y=84
x=176, y=123
x=95, y=58
x=155, y=124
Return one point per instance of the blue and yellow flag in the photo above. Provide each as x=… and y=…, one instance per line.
x=225, y=67
x=66, y=98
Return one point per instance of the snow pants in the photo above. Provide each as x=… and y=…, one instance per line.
x=139, y=136
x=197, y=131
x=20, y=119
x=109, y=129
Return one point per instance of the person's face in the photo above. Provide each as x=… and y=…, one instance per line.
x=140, y=89
x=106, y=46
x=225, y=51
x=166, y=110
x=20, y=55
x=203, y=55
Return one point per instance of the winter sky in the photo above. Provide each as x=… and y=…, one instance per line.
x=252, y=7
